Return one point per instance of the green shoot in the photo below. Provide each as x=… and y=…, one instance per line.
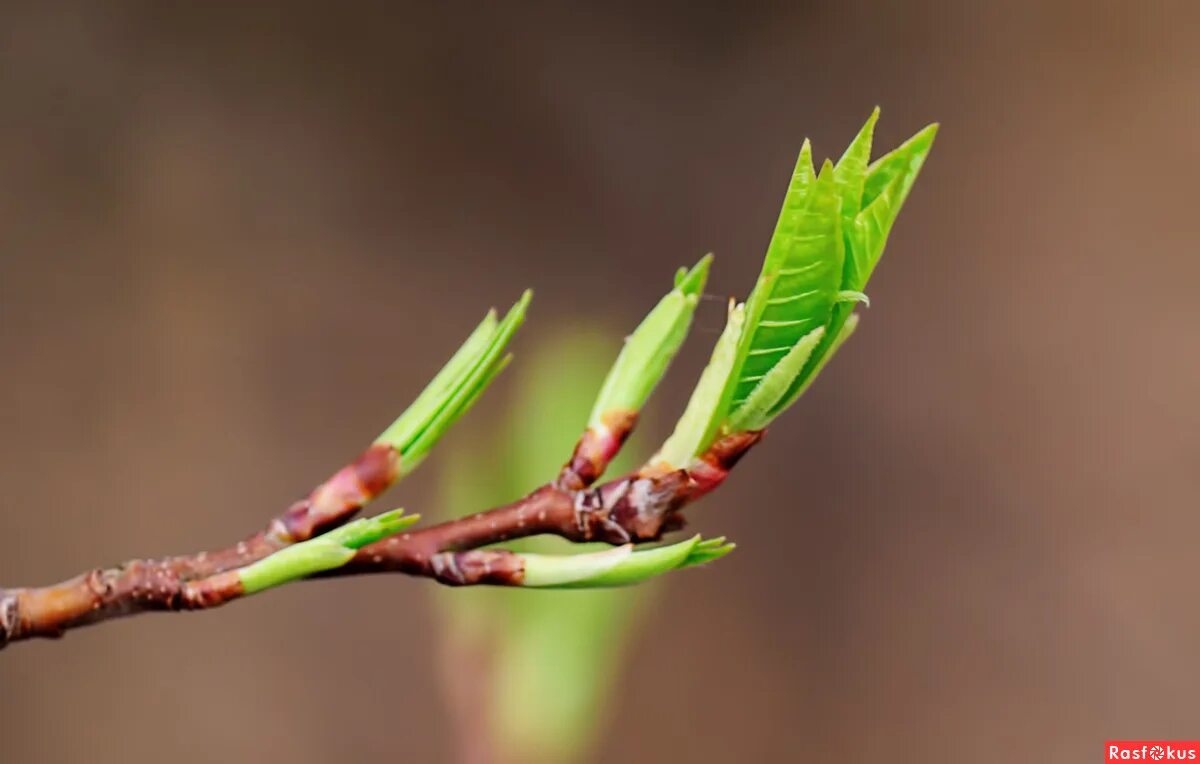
x=619, y=566
x=688, y=438
x=648, y=351
x=325, y=552
x=455, y=388
x=830, y=235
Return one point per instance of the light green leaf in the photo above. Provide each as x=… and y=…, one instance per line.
x=551, y=652
x=803, y=175
x=466, y=389
x=401, y=433
x=756, y=412
x=848, y=327
x=293, y=562
x=368, y=530
x=692, y=281
x=851, y=170
x=556, y=570
x=620, y=566
x=325, y=552
x=873, y=224
x=904, y=161
x=707, y=551
x=648, y=351
x=888, y=182
x=796, y=290
x=699, y=418
x=886, y=186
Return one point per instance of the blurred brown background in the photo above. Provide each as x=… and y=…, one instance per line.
x=233, y=243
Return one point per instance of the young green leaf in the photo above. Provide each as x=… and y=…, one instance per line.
x=416, y=417
x=798, y=285
x=455, y=388
x=804, y=175
x=325, y=552
x=368, y=530
x=687, y=440
x=647, y=352
x=830, y=235
x=885, y=188
x=903, y=161
x=797, y=390
x=874, y=223
x=691, y=281
x=850, y=173
x=544, y=571
x=707, y=551
x=755, y=412
x=551, y=652
x=620, y=566
x=797, y=288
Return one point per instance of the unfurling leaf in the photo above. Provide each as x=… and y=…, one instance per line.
x=850, y=173
x=648, y=351
x=755, y=412
x=619, y=566
x=325, y=552
x=796, y=289
x=454, y=390
x=702, y=409
x=830, y=235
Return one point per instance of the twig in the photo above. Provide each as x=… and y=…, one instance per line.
x=195, y=581
x=637, y=508
x=829, y=238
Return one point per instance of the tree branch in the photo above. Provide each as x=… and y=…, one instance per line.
x=829, y=237
x=196, y=581
x=636, y=508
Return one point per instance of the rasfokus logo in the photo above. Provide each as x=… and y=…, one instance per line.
x=1152, y=750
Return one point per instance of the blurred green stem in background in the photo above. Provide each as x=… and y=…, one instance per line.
x=538, y=665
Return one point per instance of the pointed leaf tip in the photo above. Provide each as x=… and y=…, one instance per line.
x=796, y=289
x=409, y=425
x=703, y=553
x=522, y=304
x=804, y=175
x=851, y=169
x=692, y=281
x=648, y=351
x=903, y=161
x=477, y=373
